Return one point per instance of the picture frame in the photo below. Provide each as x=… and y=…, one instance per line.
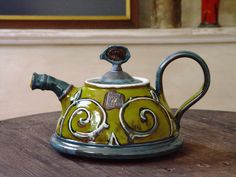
x=69, y=14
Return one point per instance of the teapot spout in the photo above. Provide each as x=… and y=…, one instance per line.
x=46, y=82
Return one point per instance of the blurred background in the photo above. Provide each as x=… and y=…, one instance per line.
x=73, y=56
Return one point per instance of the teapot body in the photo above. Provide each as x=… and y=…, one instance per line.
x=115, y=115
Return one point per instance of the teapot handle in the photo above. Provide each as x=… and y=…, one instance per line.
x=198, y=95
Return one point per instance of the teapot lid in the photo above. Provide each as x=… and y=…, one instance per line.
x=116, y=55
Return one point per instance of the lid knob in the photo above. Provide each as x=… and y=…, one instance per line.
x=116, y=55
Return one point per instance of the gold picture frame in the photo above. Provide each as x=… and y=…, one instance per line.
x=129, y=20
x=127, y=16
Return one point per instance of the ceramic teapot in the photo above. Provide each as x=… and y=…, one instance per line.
x=118, y=116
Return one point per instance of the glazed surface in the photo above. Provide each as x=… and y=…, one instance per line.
x=114, y=117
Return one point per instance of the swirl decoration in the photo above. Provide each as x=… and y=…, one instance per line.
x=142, y=113
x=79, y=103
x=74, y=101
x=82, y=121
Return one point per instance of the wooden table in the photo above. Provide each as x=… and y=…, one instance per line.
x=209, y=150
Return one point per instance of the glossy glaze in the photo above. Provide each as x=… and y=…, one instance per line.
x=123, y=125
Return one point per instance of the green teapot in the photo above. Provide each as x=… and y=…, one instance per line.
x=118, y=116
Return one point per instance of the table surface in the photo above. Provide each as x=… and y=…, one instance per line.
x=209, y=150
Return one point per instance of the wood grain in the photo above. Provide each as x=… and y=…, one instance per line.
x=209, y=150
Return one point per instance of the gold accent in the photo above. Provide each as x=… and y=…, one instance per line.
x=53, y=17
x=128, y=9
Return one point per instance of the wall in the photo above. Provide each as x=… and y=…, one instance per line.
x=70, y=60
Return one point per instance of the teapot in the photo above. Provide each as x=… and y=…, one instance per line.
x=118, y=116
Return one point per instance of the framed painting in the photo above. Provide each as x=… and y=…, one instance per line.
x=68, y=13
